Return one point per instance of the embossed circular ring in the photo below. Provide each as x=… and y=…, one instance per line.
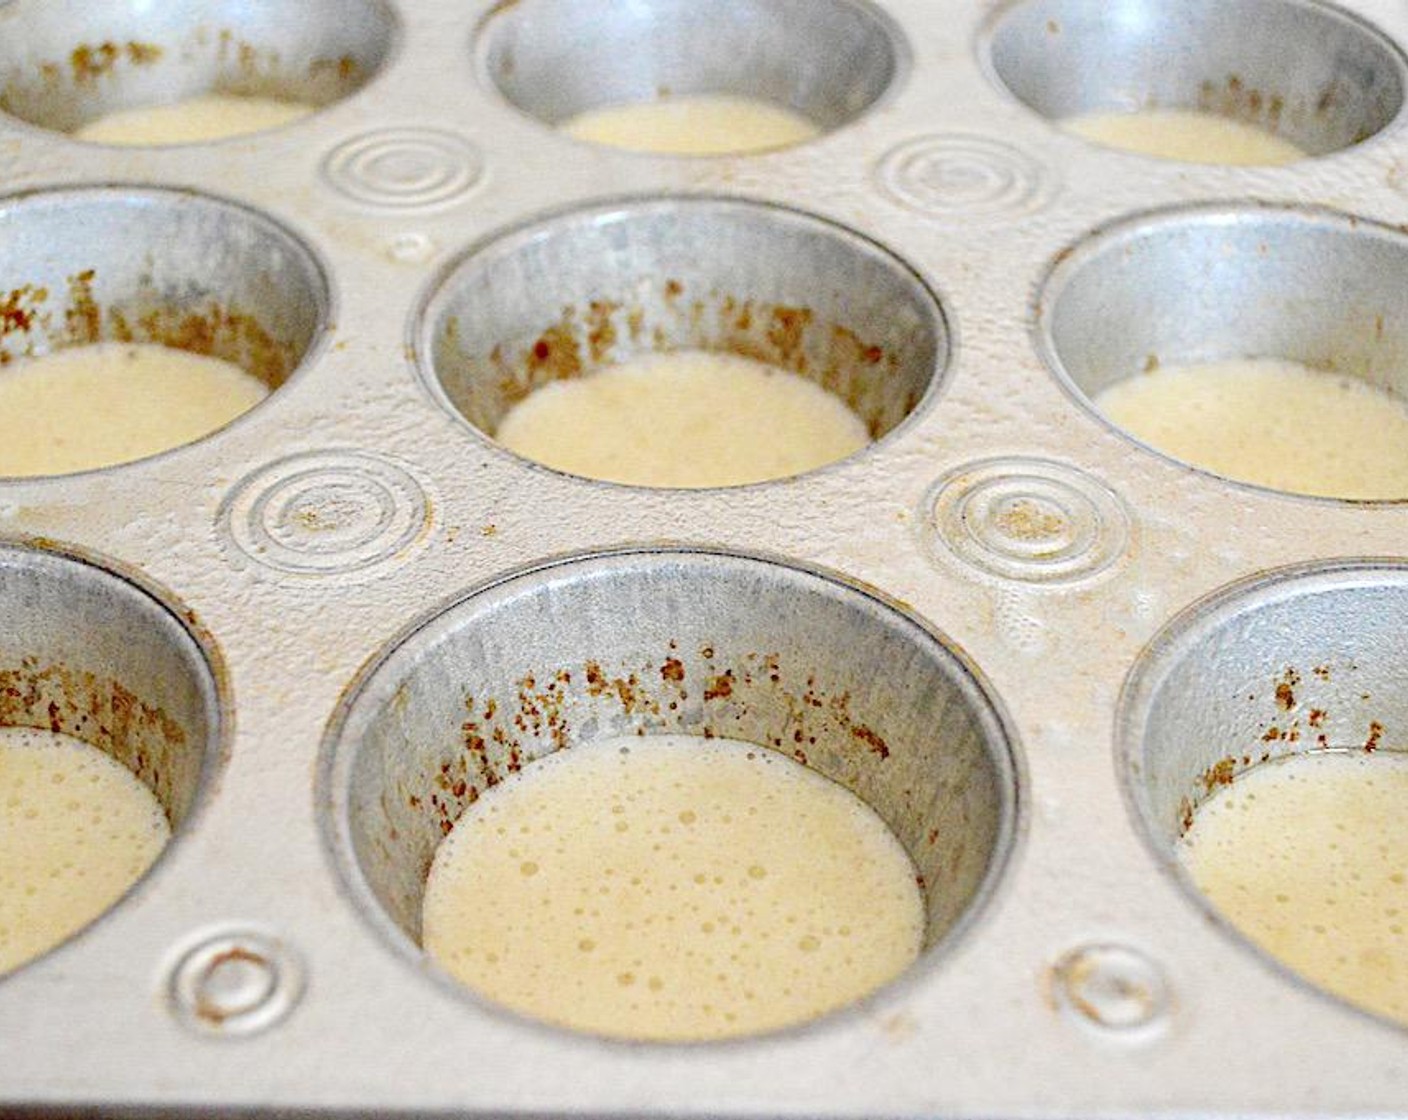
x=404, y=168
x=235, y=982
x=1029, y=520
x=964, y=178
x=1113, y=987
x=326, y=513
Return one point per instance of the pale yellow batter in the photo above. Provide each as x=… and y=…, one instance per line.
x=94, y=406
x=212, y=116
x=703, y=125
x=1308, y=856
x=672, y=888
x=1271, y=422
x=1185, y=134
x=77, y=829
x=684, y=419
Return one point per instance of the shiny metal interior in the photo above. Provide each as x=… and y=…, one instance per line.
x=188, y=271
x=1311, y=73
x=1210, y=283
x=1330, y=639
x=88, y=653
x=563, y=296
x=1306, y=659
x=693, y=642
x=828, y=60
x=64, y=63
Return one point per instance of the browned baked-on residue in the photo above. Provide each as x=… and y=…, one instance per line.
x=874, y=742
x=20, y=309
x=1329, y=100
x=1316, y=718
x=90, y=61
x=144, y=54
x=1322, y=671
x=1185, y=815
x=1376, y=734
x=103, y=713
x=601, y=329
x=861, y=374
x=210, y=1009
x=83, y=319
x=346, y=69
x=1285, y=697
x=1272, y=735
x=786, y=333
x=217, y=331
x=1234, y=98
x=500, y=736
x=720, y=687
x=554, y=355
x=1218, y=774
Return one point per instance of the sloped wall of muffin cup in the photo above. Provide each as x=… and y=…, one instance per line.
x=149, y=265
x=829, y=60
x=568, y=294
x=64, y=63
x=670, y=641
x=1228, y=281
x=1313, y=658
x=1314, y=74
x=87, y=652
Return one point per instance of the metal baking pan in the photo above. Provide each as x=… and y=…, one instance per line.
x=1055, y=632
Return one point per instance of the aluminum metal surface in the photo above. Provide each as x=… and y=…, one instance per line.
x=1310, y=73
x=302, y=546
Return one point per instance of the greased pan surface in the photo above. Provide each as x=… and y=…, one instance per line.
x=1095, y=626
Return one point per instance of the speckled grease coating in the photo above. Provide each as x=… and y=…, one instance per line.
x=997, y=508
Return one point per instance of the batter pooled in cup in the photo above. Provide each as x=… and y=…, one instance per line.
x=1308, y=856
x=671, y=888
x=77, y=829
x=702, y=125
x=211, y=116
x=1187, y=135
x=684, y=419
x=96, y=406
x=1271, y=422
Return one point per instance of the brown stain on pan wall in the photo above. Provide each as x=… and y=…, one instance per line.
x=90, y=61
x=752, y=696
x=211, y=328
x=604, y=331
x=103, y=713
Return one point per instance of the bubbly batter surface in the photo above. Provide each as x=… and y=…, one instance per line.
x=672, y=888
x=1308, y=856
x=1187, y=135
x=76, y=830
x=684, y=419
x=94, y=406
x=1271, y=422
x=212, y=116
x=708, y=124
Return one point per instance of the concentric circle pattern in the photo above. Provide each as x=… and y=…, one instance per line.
x=1029, y=520
x=404, y=168
x=326, y=513
x=236, y=982
x=964, y=178
x=1112, y=987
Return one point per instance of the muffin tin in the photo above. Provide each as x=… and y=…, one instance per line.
x=1030, y=642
